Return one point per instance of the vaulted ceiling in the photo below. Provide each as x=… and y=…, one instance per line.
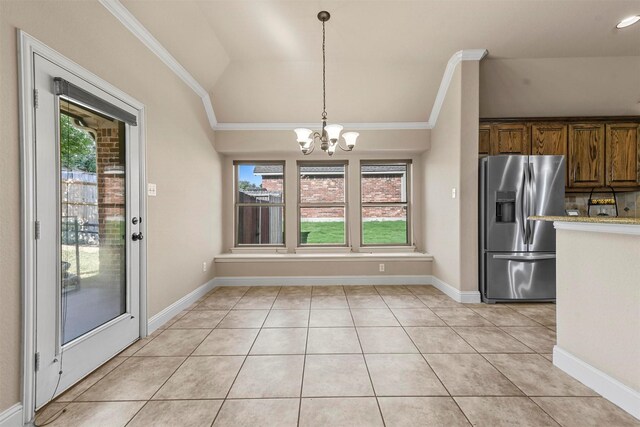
x=260, y=61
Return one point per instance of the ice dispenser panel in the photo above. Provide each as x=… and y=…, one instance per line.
x=505, y=206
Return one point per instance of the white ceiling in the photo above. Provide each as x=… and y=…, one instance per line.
x=260, y=61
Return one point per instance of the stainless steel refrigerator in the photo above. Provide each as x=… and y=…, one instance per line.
x=517, y=256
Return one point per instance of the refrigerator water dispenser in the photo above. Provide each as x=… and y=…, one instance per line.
x=505, y=206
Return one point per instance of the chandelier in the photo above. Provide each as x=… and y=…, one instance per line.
x=329, y=136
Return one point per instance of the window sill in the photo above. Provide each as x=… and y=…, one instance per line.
x=387, y=249
x=338, y=257
x=259, y=250
x=323, y=250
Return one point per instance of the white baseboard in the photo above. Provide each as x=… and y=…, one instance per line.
x=168, y=313
x=466, y=297
x=453, y=293
x=611, y=389
x=12, y=417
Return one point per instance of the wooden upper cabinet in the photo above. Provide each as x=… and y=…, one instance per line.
x=586, y=155
x=510, y=138
x=549, y=138
x=484, y=139
x=623, y=150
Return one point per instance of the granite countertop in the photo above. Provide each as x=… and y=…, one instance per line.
x=592, y=219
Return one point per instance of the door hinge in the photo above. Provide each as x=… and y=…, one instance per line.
x=35, y=98
x=37, y=230
x=37, y=362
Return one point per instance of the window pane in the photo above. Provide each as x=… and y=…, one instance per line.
x=384, y=225
x=384, y=183
x=260, y=225
x=322, y=226
x=322, y=184
x=93, y=210
x=260, y=183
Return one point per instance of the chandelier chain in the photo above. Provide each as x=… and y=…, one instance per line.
x=324, y=84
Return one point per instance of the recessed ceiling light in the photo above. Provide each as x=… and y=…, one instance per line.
x=628, y=21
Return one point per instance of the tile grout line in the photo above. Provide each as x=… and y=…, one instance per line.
x=522, y=391
x=182, y=363
x=423, y=356
x=373, y=388
x=224, y=400
x=481, y=354
x=525, y=395
x=304, y=360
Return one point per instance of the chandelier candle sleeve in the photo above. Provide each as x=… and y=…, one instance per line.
x=329, y=136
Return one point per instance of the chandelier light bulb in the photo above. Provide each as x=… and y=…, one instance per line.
x=303, y=134
x=350, y=138
x=333, y=132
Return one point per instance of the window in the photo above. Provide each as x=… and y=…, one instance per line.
x=385, y=213
x=322, y=207
x=259, y=203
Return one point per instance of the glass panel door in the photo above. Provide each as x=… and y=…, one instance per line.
x=92, y=214
x=87, y=205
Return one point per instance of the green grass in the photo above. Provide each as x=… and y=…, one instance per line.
x=323, y=233
x=384, y=232
x=375, y=232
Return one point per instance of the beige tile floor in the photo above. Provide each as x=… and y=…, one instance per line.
x=339, y=356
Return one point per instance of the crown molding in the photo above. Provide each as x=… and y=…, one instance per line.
x=316, y=126
x=456, y=58
x=130, y=22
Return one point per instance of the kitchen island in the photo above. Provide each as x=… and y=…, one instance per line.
x=598, y=305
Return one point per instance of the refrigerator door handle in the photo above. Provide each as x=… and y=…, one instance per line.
x=523, y=206
x=532, y=199
x=525, y=257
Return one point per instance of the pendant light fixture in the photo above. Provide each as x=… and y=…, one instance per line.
x=329, y=136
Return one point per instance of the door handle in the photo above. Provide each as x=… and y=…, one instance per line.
x=525, y=257
x=137, y=236
x=531, y=204
x=523, y=226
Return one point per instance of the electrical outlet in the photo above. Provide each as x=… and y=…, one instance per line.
x=381, y=268
x=453, y=193
x=151, y=190
x=204, y=266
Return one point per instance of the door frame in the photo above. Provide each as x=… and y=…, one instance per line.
x=27, y=47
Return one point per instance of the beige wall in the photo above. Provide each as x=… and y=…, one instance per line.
x=450, y=225
x=369, y=141
x=547, y=87
x=441, y=164
x=598, y=301
x=180, y=159
x=469, y=176
x=323, y=268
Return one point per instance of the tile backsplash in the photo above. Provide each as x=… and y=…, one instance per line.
x=628, y=204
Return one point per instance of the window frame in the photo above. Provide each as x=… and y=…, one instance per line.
x=408, y=199
x=237, y=205
x=344, y=204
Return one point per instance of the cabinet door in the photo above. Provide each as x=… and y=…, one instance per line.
x=510, y=138
x=549, y=138
x=586, y=155
x=484, y=139
x=622, y=144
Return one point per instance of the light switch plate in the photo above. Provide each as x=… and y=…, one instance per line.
x=151, y=190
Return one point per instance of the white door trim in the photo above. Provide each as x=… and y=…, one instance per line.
x=27, y=47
